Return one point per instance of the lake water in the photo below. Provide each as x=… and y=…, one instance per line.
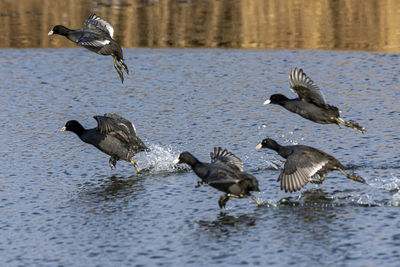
x=62, y=205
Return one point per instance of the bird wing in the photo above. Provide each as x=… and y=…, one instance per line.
x=223, y=156
x=88, y=41
x=108, y=124
x=307, y=90
x=298, y=169
x=95, y=22
x=127, y=125
x=220, y=175
x=124, y=130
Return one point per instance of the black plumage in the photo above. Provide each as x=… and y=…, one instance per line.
x=311, y=103
x=304, y=164
x=113, y=135
x=225, y=173
x=97, y=37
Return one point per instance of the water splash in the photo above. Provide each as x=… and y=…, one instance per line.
x=273, y=164
x=391, y=184
x=268, y=202
x=395, y=201
x=159, y=159
x=364, y=200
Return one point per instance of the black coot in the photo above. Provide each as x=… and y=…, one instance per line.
x=225, y=173
x=304, y=164
x=311, y=103
x=97, y=37
x=113, y=135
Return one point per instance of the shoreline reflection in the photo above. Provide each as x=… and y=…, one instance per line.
x=259, y=24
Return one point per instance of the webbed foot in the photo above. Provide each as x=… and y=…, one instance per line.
x=352, y=124
x=121, y=61
x=255, y=199
x=352, y=176
x=118, y=68
x=222, y=201
x=200, y=183
x=316, y=179
x=113, y=162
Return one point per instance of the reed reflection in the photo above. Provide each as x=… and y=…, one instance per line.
x=371, y=25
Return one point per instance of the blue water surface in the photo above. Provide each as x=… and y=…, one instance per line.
x=61, y=205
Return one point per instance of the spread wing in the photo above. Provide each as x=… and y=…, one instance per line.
x=298, y=169
x=307, y=90
x=127, y=125
x=95, y=22
x=117, y=126
x=122, y=129
x=223, y=156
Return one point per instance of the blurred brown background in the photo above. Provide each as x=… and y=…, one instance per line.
x=372, y=25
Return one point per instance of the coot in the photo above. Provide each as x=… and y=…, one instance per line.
x=97, y=37
x=311, y=103
x=304, y=164
x=225, y=173
x=113, y=135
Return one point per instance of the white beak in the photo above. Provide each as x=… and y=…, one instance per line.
x=50, y=32
x=176, y=161
x=267, y=102
x=259, y=146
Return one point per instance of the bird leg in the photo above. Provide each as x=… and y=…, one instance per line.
x=118, y=68
x=255, y=199
x=222, y=200
x=351, y=176
x=121, y=61
x=317, y=179
x=200, y=183
x=136, y=166
x=351, y=124
x=113, y=162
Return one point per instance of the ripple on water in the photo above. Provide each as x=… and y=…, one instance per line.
x=62, y=205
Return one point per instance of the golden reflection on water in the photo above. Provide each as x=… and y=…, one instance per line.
x=372, y=25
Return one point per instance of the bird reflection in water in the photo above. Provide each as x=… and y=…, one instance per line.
x=226, y=224
x=315, y=197
x=116, y=187
x=313, y=205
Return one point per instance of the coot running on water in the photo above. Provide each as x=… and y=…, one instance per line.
x=225, y=173
x=304, y=164
x=113, y=135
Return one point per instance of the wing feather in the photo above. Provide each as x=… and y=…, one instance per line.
x=307, y=90
x=298, y=169
x=92, y=42
x=95, y=22
x=223, y=156
x=117, y=126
